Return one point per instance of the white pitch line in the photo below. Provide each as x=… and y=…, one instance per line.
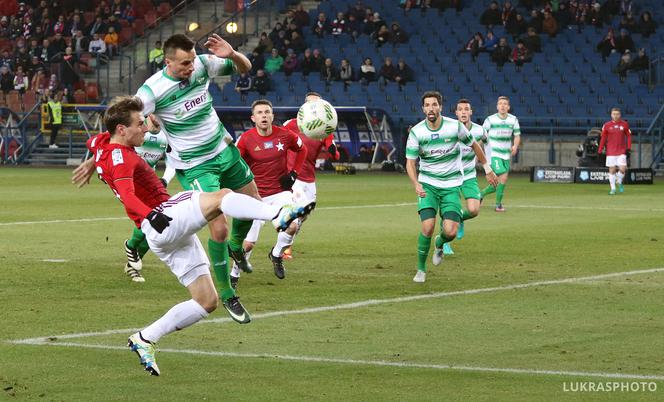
x=381, y=363
x=400, y=204
x=360, y=304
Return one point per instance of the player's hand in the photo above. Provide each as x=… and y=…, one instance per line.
x=492, y=178
x=286, y=181
x=164, y=182
x=153, y=124
x=420, y=190
x=82, y=174
x=332, y=149
x=158, y=220
x=218, y=46
x=628, y=153
x=515, y=150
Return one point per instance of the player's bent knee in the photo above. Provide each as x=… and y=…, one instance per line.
x=209, y=301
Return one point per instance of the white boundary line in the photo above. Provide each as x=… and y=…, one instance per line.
x=383, y=363
x=400, y=204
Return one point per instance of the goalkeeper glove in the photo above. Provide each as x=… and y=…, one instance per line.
x=287, y=181
x=158, y=220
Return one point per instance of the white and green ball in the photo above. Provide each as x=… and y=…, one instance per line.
x=317, y=119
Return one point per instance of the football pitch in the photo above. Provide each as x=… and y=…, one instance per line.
x=559, y=298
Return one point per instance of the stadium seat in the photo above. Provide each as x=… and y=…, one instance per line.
x=139, y=27
x=164, y=9
x=29, y=99
x=79, y=96
x=150, y=19
x=92, y=92
x=126, y=35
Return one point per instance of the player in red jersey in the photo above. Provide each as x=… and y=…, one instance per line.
x=305, y=185
x=170, y=223
x=617, y=137
x=264, y=148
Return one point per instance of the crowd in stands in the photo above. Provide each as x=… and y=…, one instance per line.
x=549, y=17
x=285, y=49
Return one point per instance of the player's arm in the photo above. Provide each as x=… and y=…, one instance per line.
x=286, y=181
x=628, y=133
x=240, y=145
x=467, y=139
x=125, y=188
x=83, y=172
x=220, y=48
x=412, y=153
x=331, y=147
x=602, y=140
x=516, y=132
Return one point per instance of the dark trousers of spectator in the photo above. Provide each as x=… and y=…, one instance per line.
x=54, y=132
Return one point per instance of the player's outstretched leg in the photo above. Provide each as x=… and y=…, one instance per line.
x=146, y=352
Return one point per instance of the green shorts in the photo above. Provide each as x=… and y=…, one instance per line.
x=471, y=189
x=226, y=170
x=500, y=166
x=444, y=200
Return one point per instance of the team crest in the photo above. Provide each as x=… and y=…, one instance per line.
x=183, y=84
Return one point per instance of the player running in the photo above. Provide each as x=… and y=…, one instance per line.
x=435, y=141
x=265, y=148
x=617, y=137
x=500, y=128
x=170, y=223
x=470, y=189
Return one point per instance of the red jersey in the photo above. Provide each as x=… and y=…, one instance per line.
x=617, y=137
x=132, y=180
x=266, y=156
x=308, y=173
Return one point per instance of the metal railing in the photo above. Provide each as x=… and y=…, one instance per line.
x=656, y=71
x=656, y=134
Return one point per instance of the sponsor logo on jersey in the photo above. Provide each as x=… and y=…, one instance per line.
x=435, y=136
x=257, y=148
x=117, y=157
x=445, y=151
x=189, y=105
x=268, y=145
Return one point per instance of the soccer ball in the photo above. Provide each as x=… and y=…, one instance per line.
x=317, y=119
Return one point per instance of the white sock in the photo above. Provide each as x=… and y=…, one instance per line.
x=247, y=254
x=178, y=317
x=619, y=177
x=612, y=181
x=283, y=240
x=235, y=272
x=242, y=206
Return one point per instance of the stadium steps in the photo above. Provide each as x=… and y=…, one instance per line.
x=43, y=155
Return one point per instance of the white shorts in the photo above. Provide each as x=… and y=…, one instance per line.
x=280, y=199
x=304, y=192
x=618, y=160
x=178, y=246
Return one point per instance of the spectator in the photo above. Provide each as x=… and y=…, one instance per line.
x=308, y=64
x=502, y=54
x=625, y=6
x=367, y=71
x=595, y=16
x=156, y=58
x=69, y=76
x=55, y=113
x=378, y=22
x=354, y=27
x=532, y=41
x=328, y=72
x=281, y=44
x=520, y=55
x=358, y=11
x=301, y=16
x=549, y=25
x=58, y=44
x=243, y=86
x=491, y=16
x=397, y=34
x=97, y=46
x=629, y=23
x=345, y=72
x=6, y=79
x=96, y=27
x=128, y=14
x=111, y=40
x=290, y=17
x=39, y=82
x=16, y=29
x=339, y=25
x=5, y=28
x=80, y=43
x=21, y=82
x=261, y=82
x=319, y=59
x=490, y=42
x=474, y=45
x=383, y=36
x=641, y=64
x=517, y=26
x=507, y=13
x=7, y=60
x=607, y=45
x=265, y=44
x=387, y=72
x=562, y=15
x=290, y=62
x=647, y=26
x=257, y=62
x=35, y=65
x=274, y=34
x=274, y=62
x=623, y=65
x=297, y=42
x=321, y=26
x=404, y=73
x=22, y=59
x=75, y=25
x=536, y=20
x=624, y=42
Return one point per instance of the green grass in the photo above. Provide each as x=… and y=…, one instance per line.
x=343, y=255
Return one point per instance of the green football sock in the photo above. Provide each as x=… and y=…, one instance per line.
x=219, y=256
x=439, y=241
x=138, y=242
x=499, y=193
x=423, y=246
x=239, y=230
x=488, y=190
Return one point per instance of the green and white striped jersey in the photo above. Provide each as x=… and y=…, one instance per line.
x=468, y=158
x=153, y=148
x=438, y=150
x=184, y=110
x=500, y=133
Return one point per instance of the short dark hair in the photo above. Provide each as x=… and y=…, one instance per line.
x=504, y=98
x=463, y=100
x=615, y=109
x=312, y=93
x=119, y=112
x=260, y=102
x=433, y=94
x=178, y=41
